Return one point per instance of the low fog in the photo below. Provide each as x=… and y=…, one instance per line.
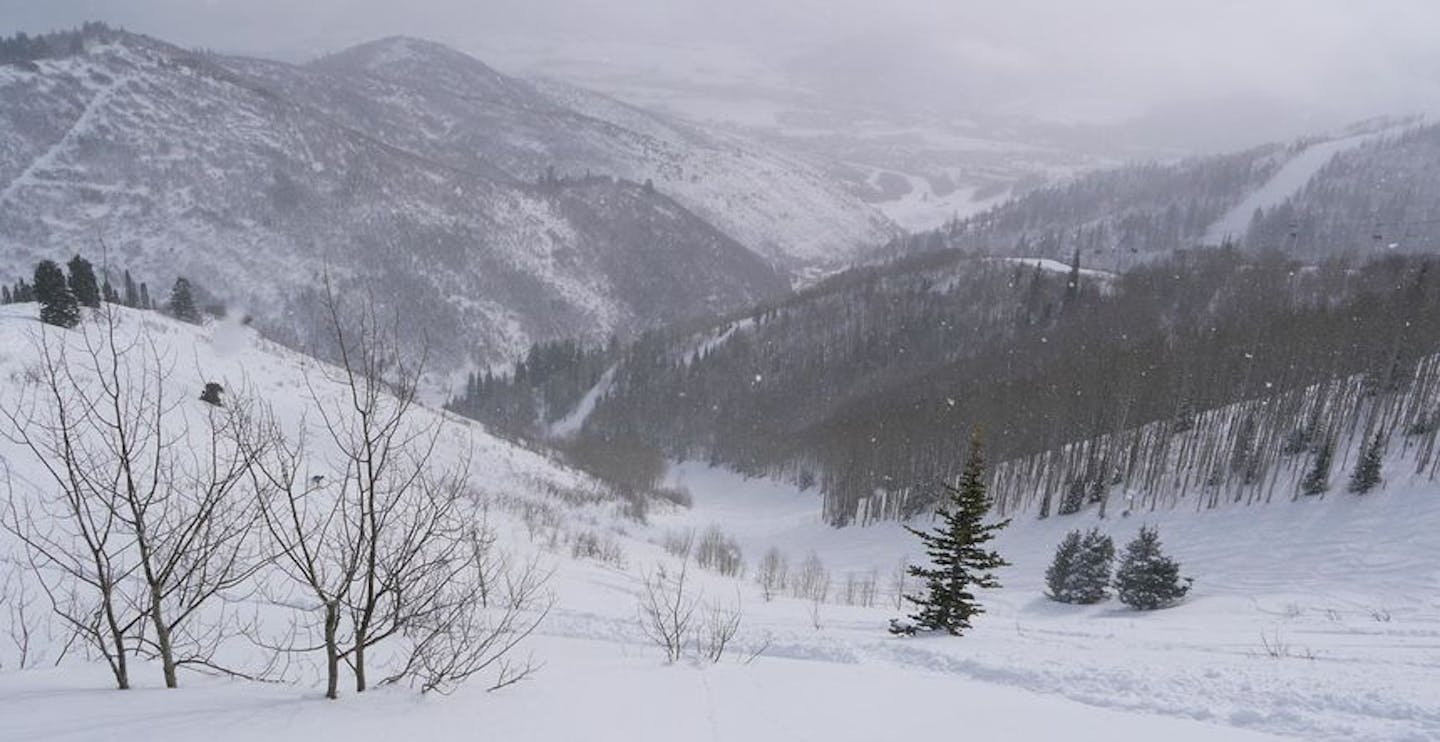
x=1172, y=71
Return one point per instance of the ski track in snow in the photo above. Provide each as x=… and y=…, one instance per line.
x=1285, y=183
x=575, y=419
x=82, y=124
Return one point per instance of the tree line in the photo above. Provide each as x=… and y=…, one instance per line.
x=866, y=385
x=61, y=292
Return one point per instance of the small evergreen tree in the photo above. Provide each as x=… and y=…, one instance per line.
x=959, y=561
x=1057, y=575
x=57, y=304
x=1090, y=576
x=1080, y=572
x=1074, y=497
x=82, y=282
x=145, y=302
x=182, y=302
x=5, y=295
x=1317, y=480
x=1366, y=476
x=1147, y=579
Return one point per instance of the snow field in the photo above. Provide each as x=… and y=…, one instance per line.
x=1344, y=591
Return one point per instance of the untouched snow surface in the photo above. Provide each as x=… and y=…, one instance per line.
x=1347, y=585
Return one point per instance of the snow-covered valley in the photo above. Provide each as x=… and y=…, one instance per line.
x=1317, y=619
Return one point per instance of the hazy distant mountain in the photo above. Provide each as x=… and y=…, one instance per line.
x=1369, y=189
x=435, y=101
x=252, y=178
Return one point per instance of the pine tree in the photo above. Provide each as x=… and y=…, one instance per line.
x=1317, y=480
x=1147, y=579
x=1074, y=497
x=5, y=297
x=1057, y=575
x=57, y=304
x=1072, y=283
x=1367, y=472
x=1090, y=575
x=132, y=293
x=182, y=302
x=145, y=302
x=82, y=282
x=1080, y=572
x=959, y=561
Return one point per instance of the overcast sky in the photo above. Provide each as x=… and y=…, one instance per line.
x=1086, y=60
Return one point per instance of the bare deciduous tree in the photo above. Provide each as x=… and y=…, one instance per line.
x=379, y=536
x=666, y=610
x=772, y=574
x=147, y=524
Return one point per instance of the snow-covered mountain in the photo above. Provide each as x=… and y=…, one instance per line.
x=430, y=99
x=253, y=179
x=1366, y=190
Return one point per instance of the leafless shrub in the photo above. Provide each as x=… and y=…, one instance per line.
x=676, y=495
x=1277, y=648
x=602, y=548
x=897, y=583
x=859, y=588
x=720, y=553
x=717, y=629
x=679, y=544
x=666, y=610
x=772, y=574
x=476, y=623
x=812, y=580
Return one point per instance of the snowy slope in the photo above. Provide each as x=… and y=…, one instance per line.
x=601, y=679
x=1285, y=183
x=1346, y=584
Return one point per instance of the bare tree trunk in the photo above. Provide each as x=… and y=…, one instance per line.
x=332, y=651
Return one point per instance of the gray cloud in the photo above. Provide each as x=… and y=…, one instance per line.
x=1102, y=60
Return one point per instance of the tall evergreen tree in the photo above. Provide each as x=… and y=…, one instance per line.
x=1147, y=579
x=132, y=292
x=145, y=302
x=57, y=304
x=1072, y=284
x=182, y=302
x=960, y=563
x=82, y=282
x=1317, y=480
x=1366, y=476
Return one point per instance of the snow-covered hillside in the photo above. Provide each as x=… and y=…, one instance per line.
x=1342, y=589
x=166, y=162
x=433, y=100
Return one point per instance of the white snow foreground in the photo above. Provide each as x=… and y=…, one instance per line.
x=1349, y=582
